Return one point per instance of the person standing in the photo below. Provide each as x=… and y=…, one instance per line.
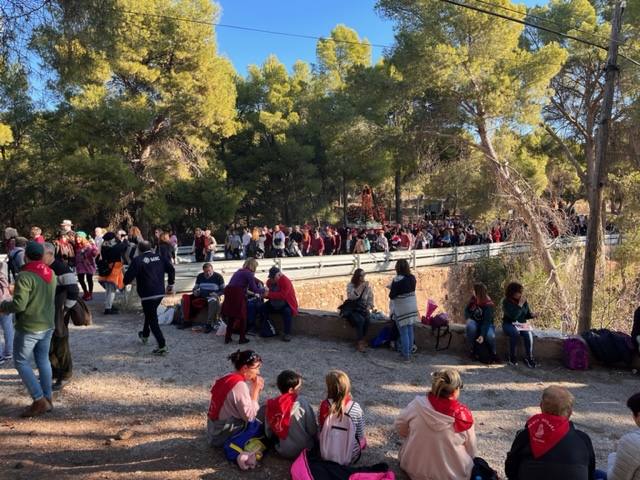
x=199, y=245
x=148, y=269
x=112, y=255
x=404, y=306
x=67, y=293
x=86, y=253
x=33, y=306
x=6, y=321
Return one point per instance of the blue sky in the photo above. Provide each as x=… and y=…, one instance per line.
x=307, y=17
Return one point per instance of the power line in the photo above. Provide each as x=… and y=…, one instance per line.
x=540, y=27
x=251, y=29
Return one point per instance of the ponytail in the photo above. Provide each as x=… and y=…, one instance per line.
x=445, y=383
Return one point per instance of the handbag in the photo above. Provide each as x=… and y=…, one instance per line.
x=354, y=305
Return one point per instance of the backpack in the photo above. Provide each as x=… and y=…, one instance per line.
x=383, y=337
x=252, y=434
x=482, y=470
x=609, y=347
x=635, y=330
x=482, y=352
x=267, y=329
x=103, y=267
x=575, y=353
x=338, y=437
x=306, y=467
x=79, y=314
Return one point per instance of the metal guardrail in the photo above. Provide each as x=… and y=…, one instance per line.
x=303, y=268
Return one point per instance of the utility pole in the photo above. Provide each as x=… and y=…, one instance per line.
x=596, y=174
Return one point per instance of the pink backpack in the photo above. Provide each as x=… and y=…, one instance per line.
x=575, y=353
x=338, y=437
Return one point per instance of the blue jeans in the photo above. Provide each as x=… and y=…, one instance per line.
x=406, y=340
x=473, y=332
x=285, y=311
x=6, y=322
x=360, y=322
x=514, y=335
x=33, y=345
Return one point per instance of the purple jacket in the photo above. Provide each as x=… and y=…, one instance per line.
x=86, y=259
x=245, y=278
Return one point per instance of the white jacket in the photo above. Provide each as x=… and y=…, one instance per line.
x=624, y=464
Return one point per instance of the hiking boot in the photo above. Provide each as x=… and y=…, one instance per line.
x=143, y=339
x=286, y=337
x=160, y=351
x=37, y=408
x=530, y=362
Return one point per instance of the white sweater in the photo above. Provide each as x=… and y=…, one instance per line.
x=624, y=464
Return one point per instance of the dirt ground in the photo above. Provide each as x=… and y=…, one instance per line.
x=128, y=414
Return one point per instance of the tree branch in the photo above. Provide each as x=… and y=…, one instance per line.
x=574, y=161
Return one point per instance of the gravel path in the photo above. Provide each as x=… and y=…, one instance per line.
x=128, y=414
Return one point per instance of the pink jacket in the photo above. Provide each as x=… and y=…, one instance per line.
x=432, y=450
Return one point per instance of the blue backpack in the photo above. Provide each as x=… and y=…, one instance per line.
x=383, y=338
x=235, y=444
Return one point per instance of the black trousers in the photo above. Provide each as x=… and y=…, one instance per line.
x=150, y=309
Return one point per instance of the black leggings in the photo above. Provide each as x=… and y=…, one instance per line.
x=81, y=279
x=150, y=309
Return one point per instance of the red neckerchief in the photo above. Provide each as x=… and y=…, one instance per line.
x=463, y=420
x=473, y=303
x=40, y=269
x=219, y=392
x=279, y=413
x=545, y=431
x=324, y=409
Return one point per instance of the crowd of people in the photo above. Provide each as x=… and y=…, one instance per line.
x=437, y=429
x=45, y=276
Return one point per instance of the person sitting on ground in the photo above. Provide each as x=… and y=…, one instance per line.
x=67, y=293
x=234, y=307
x=336, y=406
x=234, y=398
x=514, y=323
x=624, y=463
x=440, y=421
x=403, y=306
x=550, y=447
x=358, y=289
x=206, y=293
x=33, y=307
x=281, y=298
x=112, y=253
x=290, y=418
x=479, y=313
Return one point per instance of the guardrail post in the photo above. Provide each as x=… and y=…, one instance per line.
x=413, y=259
x=278, y=262
x=455, y=255
x=357, y=257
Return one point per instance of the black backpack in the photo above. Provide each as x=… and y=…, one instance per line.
x=103, y=267
x=609, y=347
x=635, y=331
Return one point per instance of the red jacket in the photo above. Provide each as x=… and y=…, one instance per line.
x=285, y=292
x=317, y=246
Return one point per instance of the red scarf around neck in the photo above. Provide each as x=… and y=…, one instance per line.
x=545, y=431
x=325, y=408
x=279, y=413
x=219, y=392
x=40, y=269
x=463, y=420
x=474, y=303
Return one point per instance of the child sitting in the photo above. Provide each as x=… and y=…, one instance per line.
x=341, y=421
x=290, y=419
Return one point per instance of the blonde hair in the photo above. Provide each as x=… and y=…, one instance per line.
x=338, y=389
x=251, y=264
x=445, y=383
x=557, y=401
x=255, y=234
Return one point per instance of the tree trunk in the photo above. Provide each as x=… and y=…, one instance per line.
x=596, y=179
x=344, y=202
x=527, y=210
x=398, y=195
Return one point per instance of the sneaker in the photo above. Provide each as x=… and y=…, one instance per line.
x=85, y=296
x=243, y=340
x=530, y=362
x=89, y=297
x=252, y=333
x=207, y=329
x=160, y=351
x=414, y=348
x=513, y=362
x=114, y=311
x=59, y=385
x=4, y=359
x=143, y=339
x=286, y=338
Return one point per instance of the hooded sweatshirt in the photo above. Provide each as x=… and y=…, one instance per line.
x=432, y=449
x=33, y=299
